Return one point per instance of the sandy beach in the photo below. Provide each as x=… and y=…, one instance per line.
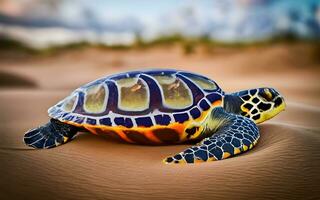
x=285, y=163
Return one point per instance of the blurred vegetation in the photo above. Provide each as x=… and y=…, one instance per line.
x=189, y=45
x=13, y=80
x=7, y=44
x=315, y=52
x=77, y=46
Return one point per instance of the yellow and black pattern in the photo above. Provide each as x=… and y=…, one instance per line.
x=260, y=104
x=232, y=134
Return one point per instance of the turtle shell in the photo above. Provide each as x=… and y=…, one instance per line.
x=157, y=99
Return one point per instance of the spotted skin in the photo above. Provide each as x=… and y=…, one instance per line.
x=260, y=104
x=235, y=135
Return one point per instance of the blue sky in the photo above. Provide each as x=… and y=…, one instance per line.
x=225, y=20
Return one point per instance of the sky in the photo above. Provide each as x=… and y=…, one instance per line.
x=41, y=23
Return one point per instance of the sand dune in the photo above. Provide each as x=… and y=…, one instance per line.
x=284, y=164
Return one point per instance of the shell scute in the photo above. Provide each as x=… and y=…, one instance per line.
x=121, y=121
x=144, y=121
x=95, y=99
x=176, y=94
x=133, y=94
x=195, y=113
x=181, y=117
x=162, y=119
x=203, y=82
x=106, y=121
x=69, y=103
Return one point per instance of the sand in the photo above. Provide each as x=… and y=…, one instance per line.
x=284, y=165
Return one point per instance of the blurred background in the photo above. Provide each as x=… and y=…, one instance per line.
x=61, y=44
x=46, y=23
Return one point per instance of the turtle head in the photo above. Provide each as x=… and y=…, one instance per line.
x=258, y=104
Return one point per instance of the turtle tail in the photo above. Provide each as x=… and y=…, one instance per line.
x=50, y=135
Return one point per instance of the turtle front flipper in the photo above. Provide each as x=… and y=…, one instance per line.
x=50, y=135
x=232, y=135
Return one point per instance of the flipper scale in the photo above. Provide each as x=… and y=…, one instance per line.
x=50, y=135
x=228, y=140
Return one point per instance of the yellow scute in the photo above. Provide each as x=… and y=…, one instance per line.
x=95, y=99
x=133, y=94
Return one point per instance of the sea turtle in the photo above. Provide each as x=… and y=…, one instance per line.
x=162, y=107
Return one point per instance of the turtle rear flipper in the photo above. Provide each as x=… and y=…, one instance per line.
x=50, y=135
x=235, y=135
